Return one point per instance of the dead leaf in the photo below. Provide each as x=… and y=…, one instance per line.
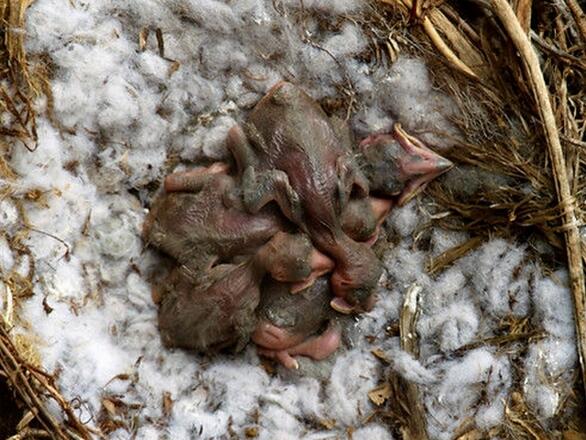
x=143, y=35
x=328, y=423
x=251, y=432
x=109, y=406
x=46, y=307
x=167, y=404
x=380, y=394
x=380, y=354
x=174, y=67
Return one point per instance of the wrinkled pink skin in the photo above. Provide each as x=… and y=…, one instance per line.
x=284, y=343
x=283, y=346
x=199, y=220
x=408, y=160
x=293, y=325
x=397, y=167
x=222, y=255
x=289, y=152
x=215, y=309
x=413, y=166
x=360, y=220
x=210, y=312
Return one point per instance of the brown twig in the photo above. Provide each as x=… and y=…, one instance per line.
x=446, y=258
x=563, y=56
x=579, y=17
x=499, y=341
x=30, y=385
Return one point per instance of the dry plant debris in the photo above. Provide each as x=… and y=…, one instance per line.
x=20, y=84
x=33, y=386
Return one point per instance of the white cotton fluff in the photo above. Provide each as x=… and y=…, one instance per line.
x=276, y=422
x=372, y=432
x=442, y=240
x=410, y=368
x=405, y=219
x=50, y=28
x=502, y=277
x=236, y=387
x=453, y=326
x=6, y=256
x=8, y=216
x=461, y=306
x=405, y=267
x=350, y=41
x=389, y=302
x=458, y=395
x=405, y=90
x=550, y=362
x=211, y=14
x=372, y=120
x=553, y=301
x=330, y=6
x=354, y=374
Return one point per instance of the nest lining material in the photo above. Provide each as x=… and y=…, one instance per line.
x=470, y=61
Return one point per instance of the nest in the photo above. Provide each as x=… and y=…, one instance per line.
x=516, y=71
